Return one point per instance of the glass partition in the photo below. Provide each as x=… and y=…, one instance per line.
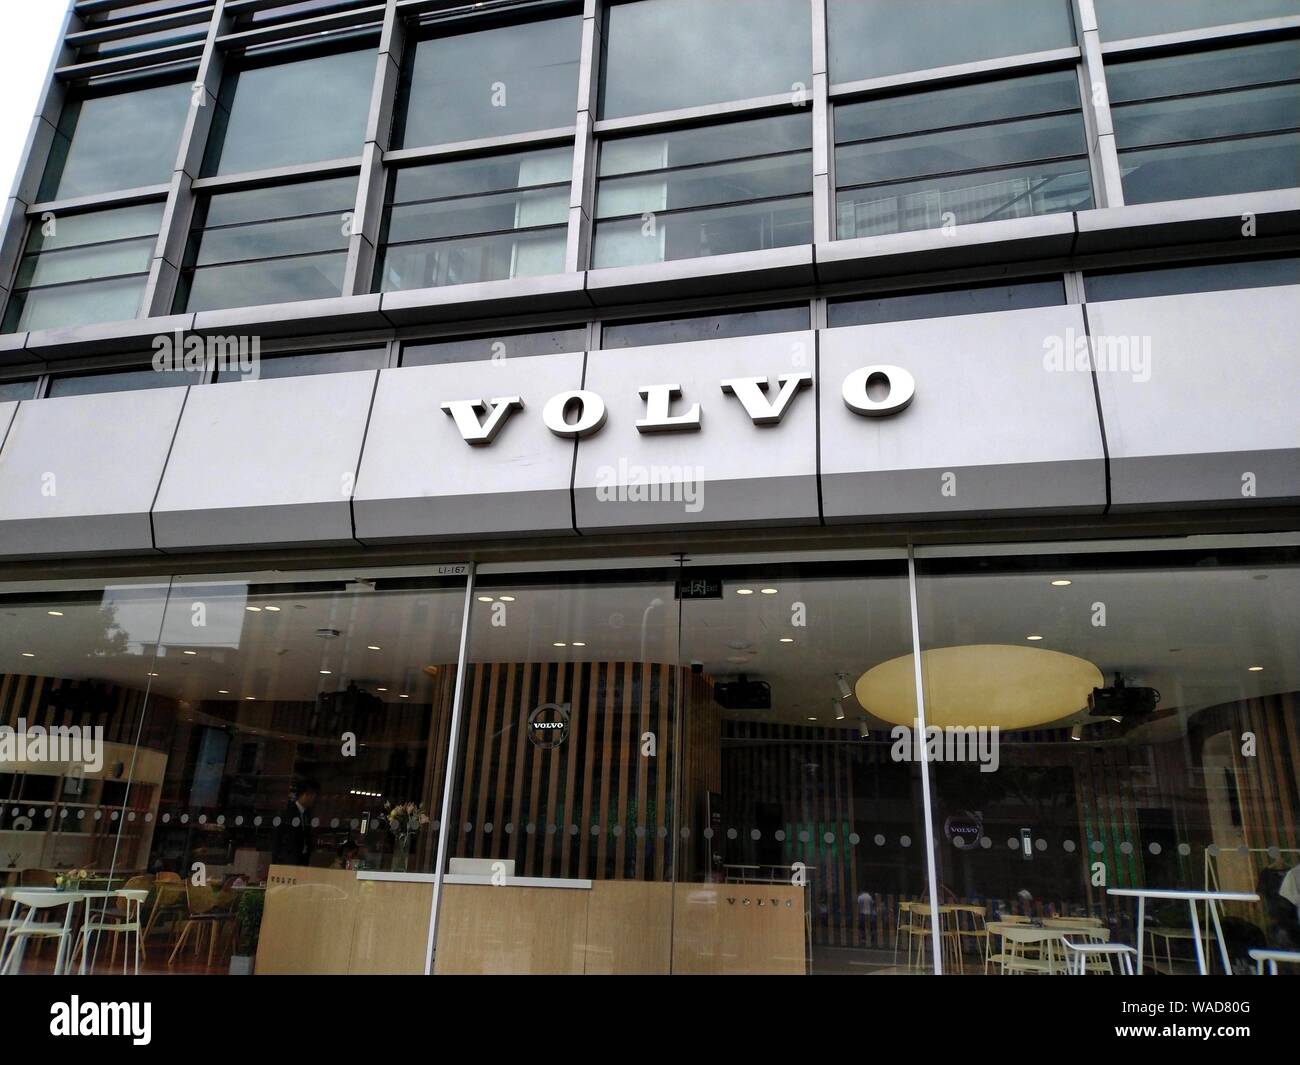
x=1111, y=723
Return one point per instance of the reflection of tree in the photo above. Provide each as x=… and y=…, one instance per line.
x=109, y=639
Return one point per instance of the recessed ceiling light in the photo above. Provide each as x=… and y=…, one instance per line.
x=250, y=698
x=153, y=674
x=403, y=696
x=768, y=591
x=1061, y=582
x=559, y=643
x=372, y=647
x=1255, y=669
x=507, y=598
x=189, y=652
x=744, y=591
x=1034, y=637
x=812, y=719
x=381, y=689
x=253, y=609
x=324, y=672
x=28, y=654
x=485, y=599
x=272, y=609
x=55, y=613
x=787, y=639
x=579, y=643
x=222, y=691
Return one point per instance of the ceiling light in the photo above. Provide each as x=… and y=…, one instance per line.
x=838, y=706
x=1034, y=637
x=222, y=691
x=189, y=652
x=744, y=591
x=324, y=672
x=1255, y=669
x=812, y=719
x=372, y=647
x=841, y=682
x=403, y=696
x=381, y=689
x=1011, y=686
x=579, y=643
x=250, y=698
x=1117, y=719
x=768, y=591
x=253, y=609
x=485, y=599
x=27, y=654
x=272, y=609
x=786, y=639
x=55, y=613
x=1061, y=582
x=151, y=674
x=863, y=731
x=559, y=643
x=507, y=598
x=1076, y=733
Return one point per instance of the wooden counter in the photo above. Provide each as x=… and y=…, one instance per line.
x=332, y=921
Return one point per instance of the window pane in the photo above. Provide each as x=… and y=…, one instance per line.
x=426, y=229
x=1215, y=169
x=703, y=327
x=15, y=390
x=1202, y=117
x=873, y=38
x=282, y=201
x=716, y=231
x=262, y=240
x=123, y=141
x=1118, y=19
x=270, y=367
x=498, y=81
x=704, y=144
x=504, y=346
x=274, y=281
x=1200, y=277
x=123, y=381
x=96, y=227
x=1225, y=68
x=1045, y=188
x=665, y=54
x=301, y=112
x=941, y=303
x=69, y=305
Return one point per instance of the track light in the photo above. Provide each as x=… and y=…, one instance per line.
x=837, y=708
x=863, y=731
x=841, y=682
x=1076, y=733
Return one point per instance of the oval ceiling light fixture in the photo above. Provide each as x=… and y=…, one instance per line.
x=1012, y=687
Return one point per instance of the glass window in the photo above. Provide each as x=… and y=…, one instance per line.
x=1207, y=123
x=483, y=219
x=1118, y=19
x=496, y=81
x=555, y=341
x=126, y=12
x=142, y=42
x=288, y=12
x=113, y=141
x=1129, y=739
x=83, y=268
x=11, y=391
x=303, y=111
x=703, y=327
x=941, y=303
x=874, y=38
x=318, y=362
x=961, y=155
x=660, y=55
x=1197, y=277
x=123, y=381
x=267, y=245
x=679, y=194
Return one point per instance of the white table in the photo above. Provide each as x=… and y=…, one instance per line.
x=86, y=895
x=1191, y=897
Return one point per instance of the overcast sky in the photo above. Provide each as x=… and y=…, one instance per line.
x=27, y=32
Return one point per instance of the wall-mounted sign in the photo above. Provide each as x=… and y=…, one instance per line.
x=699, y=588
x=872, y=391
x=548, y=726
x=966, y=826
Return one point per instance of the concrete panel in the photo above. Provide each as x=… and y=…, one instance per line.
x=1215, y=418
x=731, y=471
x=261, y=463
x=994, y=428
x=78, y=475
x=419, y=478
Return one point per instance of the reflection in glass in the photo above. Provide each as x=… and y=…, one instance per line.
x=1118, y=19
x=940, y=303
x=660, y=55
x=1200, y=277
x=496, y=346
x=703, y=327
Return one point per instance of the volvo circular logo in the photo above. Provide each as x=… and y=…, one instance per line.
x=548, y=726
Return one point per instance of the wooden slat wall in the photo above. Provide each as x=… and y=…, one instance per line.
x=598, y=778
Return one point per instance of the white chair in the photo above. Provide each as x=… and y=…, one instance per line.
x=124, y=920
x=1020, y=944
x=25, y=926
x=1262, y=957
x=1085, y=956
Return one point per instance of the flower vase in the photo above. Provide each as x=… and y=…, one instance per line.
x=401, y=852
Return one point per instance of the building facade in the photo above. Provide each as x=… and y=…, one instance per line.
x=780, y=486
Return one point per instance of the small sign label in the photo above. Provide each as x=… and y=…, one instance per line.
x=699, y=588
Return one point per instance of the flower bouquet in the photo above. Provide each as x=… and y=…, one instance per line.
x=404, y=820
x=70, y=879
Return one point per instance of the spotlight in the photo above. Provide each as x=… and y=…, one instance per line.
x=863, y=731
x=841, y=682
x=1076, y=733
x=837, y=707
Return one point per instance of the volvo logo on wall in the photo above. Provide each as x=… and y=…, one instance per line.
x=872, y=391
x=548, y=726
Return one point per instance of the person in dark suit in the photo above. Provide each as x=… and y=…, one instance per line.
x=294, y=843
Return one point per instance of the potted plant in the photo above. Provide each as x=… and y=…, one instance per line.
x=248, y=922
x=404, y=821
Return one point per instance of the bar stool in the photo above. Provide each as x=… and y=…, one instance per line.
x=27, y=927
